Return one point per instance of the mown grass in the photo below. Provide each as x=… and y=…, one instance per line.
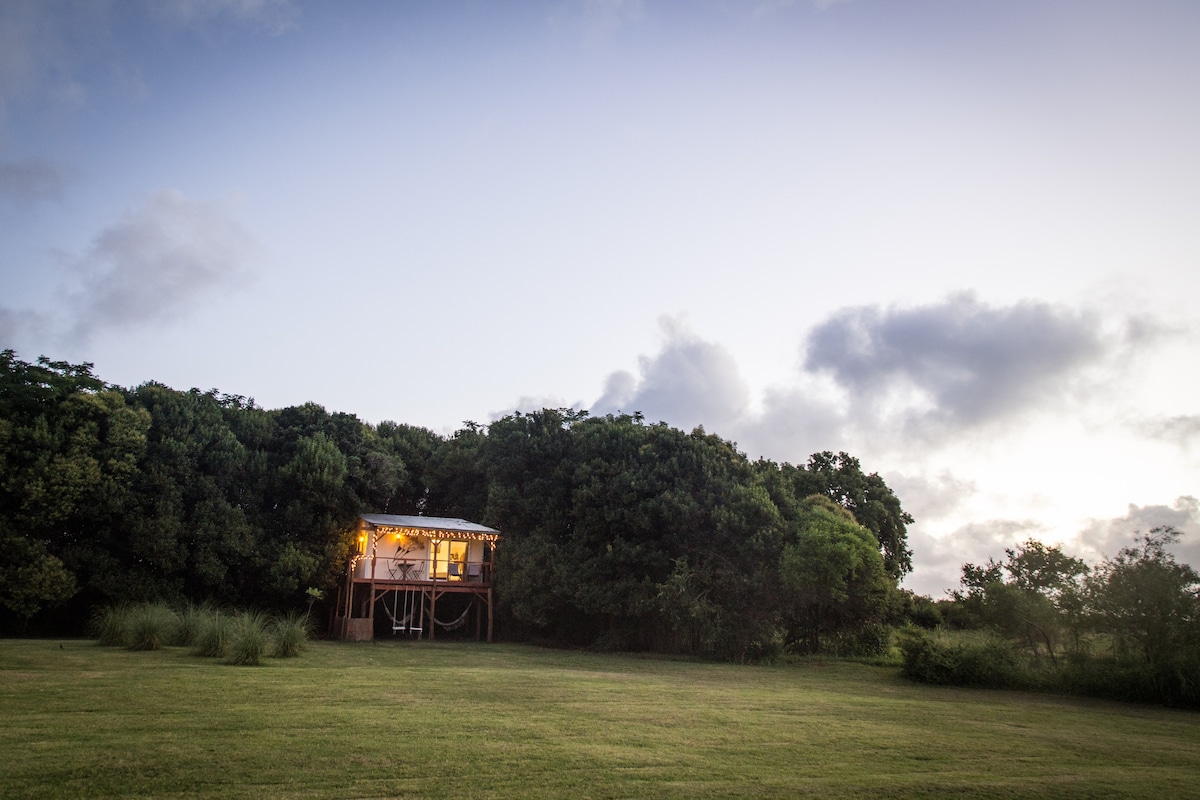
x=460, y=720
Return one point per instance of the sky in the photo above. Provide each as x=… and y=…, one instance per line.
x=959, y=240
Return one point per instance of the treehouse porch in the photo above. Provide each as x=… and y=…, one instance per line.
x=406, y=568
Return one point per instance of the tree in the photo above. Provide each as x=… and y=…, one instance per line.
x=840, y=478
x=1147, y=601
x=833, y=574
x=31, y=578
x=1041, y=596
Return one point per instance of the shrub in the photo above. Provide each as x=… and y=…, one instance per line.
x=150, y=626
x=988, y=663
x=1173, y=683
x=866, y=641
x=248, y=639
x=289, y=633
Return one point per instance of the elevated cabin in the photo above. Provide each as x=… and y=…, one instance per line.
x=412, y=575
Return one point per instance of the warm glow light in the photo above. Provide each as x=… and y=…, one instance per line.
x=459, y=536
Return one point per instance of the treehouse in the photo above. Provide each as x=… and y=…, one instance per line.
x=411, y=576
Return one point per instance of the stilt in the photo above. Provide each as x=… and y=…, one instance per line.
x=489, y=602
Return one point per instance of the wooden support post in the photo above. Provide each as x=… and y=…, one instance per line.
x=432, y=609
x=489, y=602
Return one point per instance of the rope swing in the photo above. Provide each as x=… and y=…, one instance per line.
x=412, y=606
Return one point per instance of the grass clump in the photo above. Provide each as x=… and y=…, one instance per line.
x=108, y=625
x=240, y=638
x=212, y=637
x=150, y=626
x=192, y=619
x=249, y=639
x=289, y=634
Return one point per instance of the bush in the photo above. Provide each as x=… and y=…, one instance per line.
x=248, y=639
x=289, y=633
x=1174, y=682
x=866, y=641
x=150, y=626
x=987, y=663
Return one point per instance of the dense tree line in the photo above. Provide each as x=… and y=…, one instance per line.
x=1127, y=628
x=617, y=532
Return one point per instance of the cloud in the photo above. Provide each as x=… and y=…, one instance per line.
x=887, y=376
x=21, y=328
x=1104, y=538
x=595, y=21
x=690, y=382
x=269, y=16
x=42, y=44
x=762, y=9
x=31, y=180
x=56, y=54
x=938, y=562
x=932, y=496
x=155, y=263
x=957, y=363
x=1182, y=430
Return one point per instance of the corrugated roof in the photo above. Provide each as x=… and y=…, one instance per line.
x=449, y=524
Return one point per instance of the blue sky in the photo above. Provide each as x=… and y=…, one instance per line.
x=956, y=239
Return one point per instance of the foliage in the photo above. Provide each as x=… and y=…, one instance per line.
x=215, y=632
x=988, y=662
x=834, y=574
x=289, y=634
x=150, y=626
x=108, y=625
x=192, y=619
x=1132, y=623
x=618, y=534
x=249, y=639
x=30, y=577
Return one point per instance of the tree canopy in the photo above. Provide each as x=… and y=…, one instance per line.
x=617, y=532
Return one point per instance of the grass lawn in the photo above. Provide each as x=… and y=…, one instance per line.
x=464, y=720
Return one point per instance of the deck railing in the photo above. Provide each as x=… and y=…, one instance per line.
x=392, y=568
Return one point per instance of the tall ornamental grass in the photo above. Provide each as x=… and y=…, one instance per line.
x=289, y=634
x=192, y=619
x=249, y=639
x=151, y=626
x=214, y=632
x=237, y=637
x=108, y=624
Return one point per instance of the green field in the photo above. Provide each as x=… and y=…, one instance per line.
x=470, y=720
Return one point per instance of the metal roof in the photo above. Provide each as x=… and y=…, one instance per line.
x=447, y=524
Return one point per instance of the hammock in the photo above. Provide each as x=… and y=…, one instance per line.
x=456, y=624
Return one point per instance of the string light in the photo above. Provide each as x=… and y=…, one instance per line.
x=437, y=533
